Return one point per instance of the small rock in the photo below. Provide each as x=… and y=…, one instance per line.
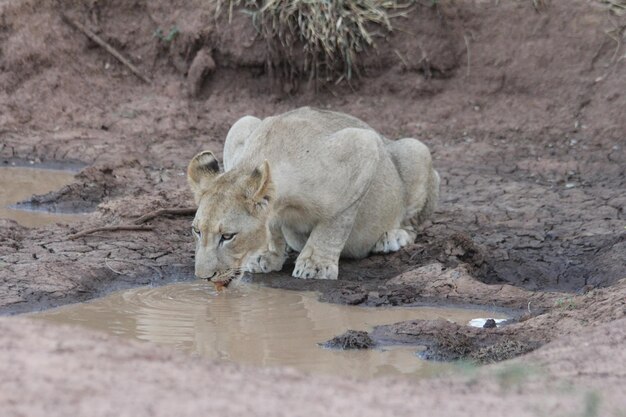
x=352, y=339
x=481, y=322
x=348, y=295
x=551, y=235
x=490, y=324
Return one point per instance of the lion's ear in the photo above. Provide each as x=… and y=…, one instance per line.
x=261, y=185
x=201, y=170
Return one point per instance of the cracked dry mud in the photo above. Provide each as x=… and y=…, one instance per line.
x=524, y=113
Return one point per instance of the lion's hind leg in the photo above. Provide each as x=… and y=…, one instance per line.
x=421, y=184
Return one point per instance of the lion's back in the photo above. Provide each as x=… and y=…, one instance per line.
x=302, y=131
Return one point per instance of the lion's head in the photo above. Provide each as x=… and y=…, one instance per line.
x=232, y=216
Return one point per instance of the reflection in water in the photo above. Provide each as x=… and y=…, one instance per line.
x=18, y=183
x=257, y=325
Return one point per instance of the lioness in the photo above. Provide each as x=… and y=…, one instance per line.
x=322, y=183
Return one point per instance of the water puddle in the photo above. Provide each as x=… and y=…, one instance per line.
x=19, y=183
x=258, y=326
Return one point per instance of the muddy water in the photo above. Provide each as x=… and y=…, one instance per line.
x=19, y=183
x=258, y=326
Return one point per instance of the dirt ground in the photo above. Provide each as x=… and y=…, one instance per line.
x=524, y=112
x=64, y=371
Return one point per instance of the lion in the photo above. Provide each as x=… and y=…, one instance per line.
x=322, y=183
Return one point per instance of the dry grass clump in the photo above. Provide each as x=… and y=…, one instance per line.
x=321, y=39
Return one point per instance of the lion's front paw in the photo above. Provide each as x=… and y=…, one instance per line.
x=392, y=241
x=265, y=262
x=315, y=268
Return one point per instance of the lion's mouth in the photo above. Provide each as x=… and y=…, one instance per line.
x=222, y=281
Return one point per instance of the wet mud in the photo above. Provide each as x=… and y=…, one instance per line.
x=352, y=339
x=446, y=341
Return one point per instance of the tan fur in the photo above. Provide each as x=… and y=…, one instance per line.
x=322, y=183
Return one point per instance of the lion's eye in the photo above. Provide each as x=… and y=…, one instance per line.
x=227, y=237
x=196, y=231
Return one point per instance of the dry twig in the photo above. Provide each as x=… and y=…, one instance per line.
x=132, y=262
x=110, y=229
x=97, y=39
x=106, y=263
x=187, y=211
x=467, y=47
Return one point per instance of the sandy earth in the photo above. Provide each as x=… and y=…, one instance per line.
x=59, y=371
x=524, y=112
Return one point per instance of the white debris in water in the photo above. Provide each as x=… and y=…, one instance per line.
x=481, y=322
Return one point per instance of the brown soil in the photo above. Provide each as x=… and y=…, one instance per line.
x=524, y=113
x=59, y=371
